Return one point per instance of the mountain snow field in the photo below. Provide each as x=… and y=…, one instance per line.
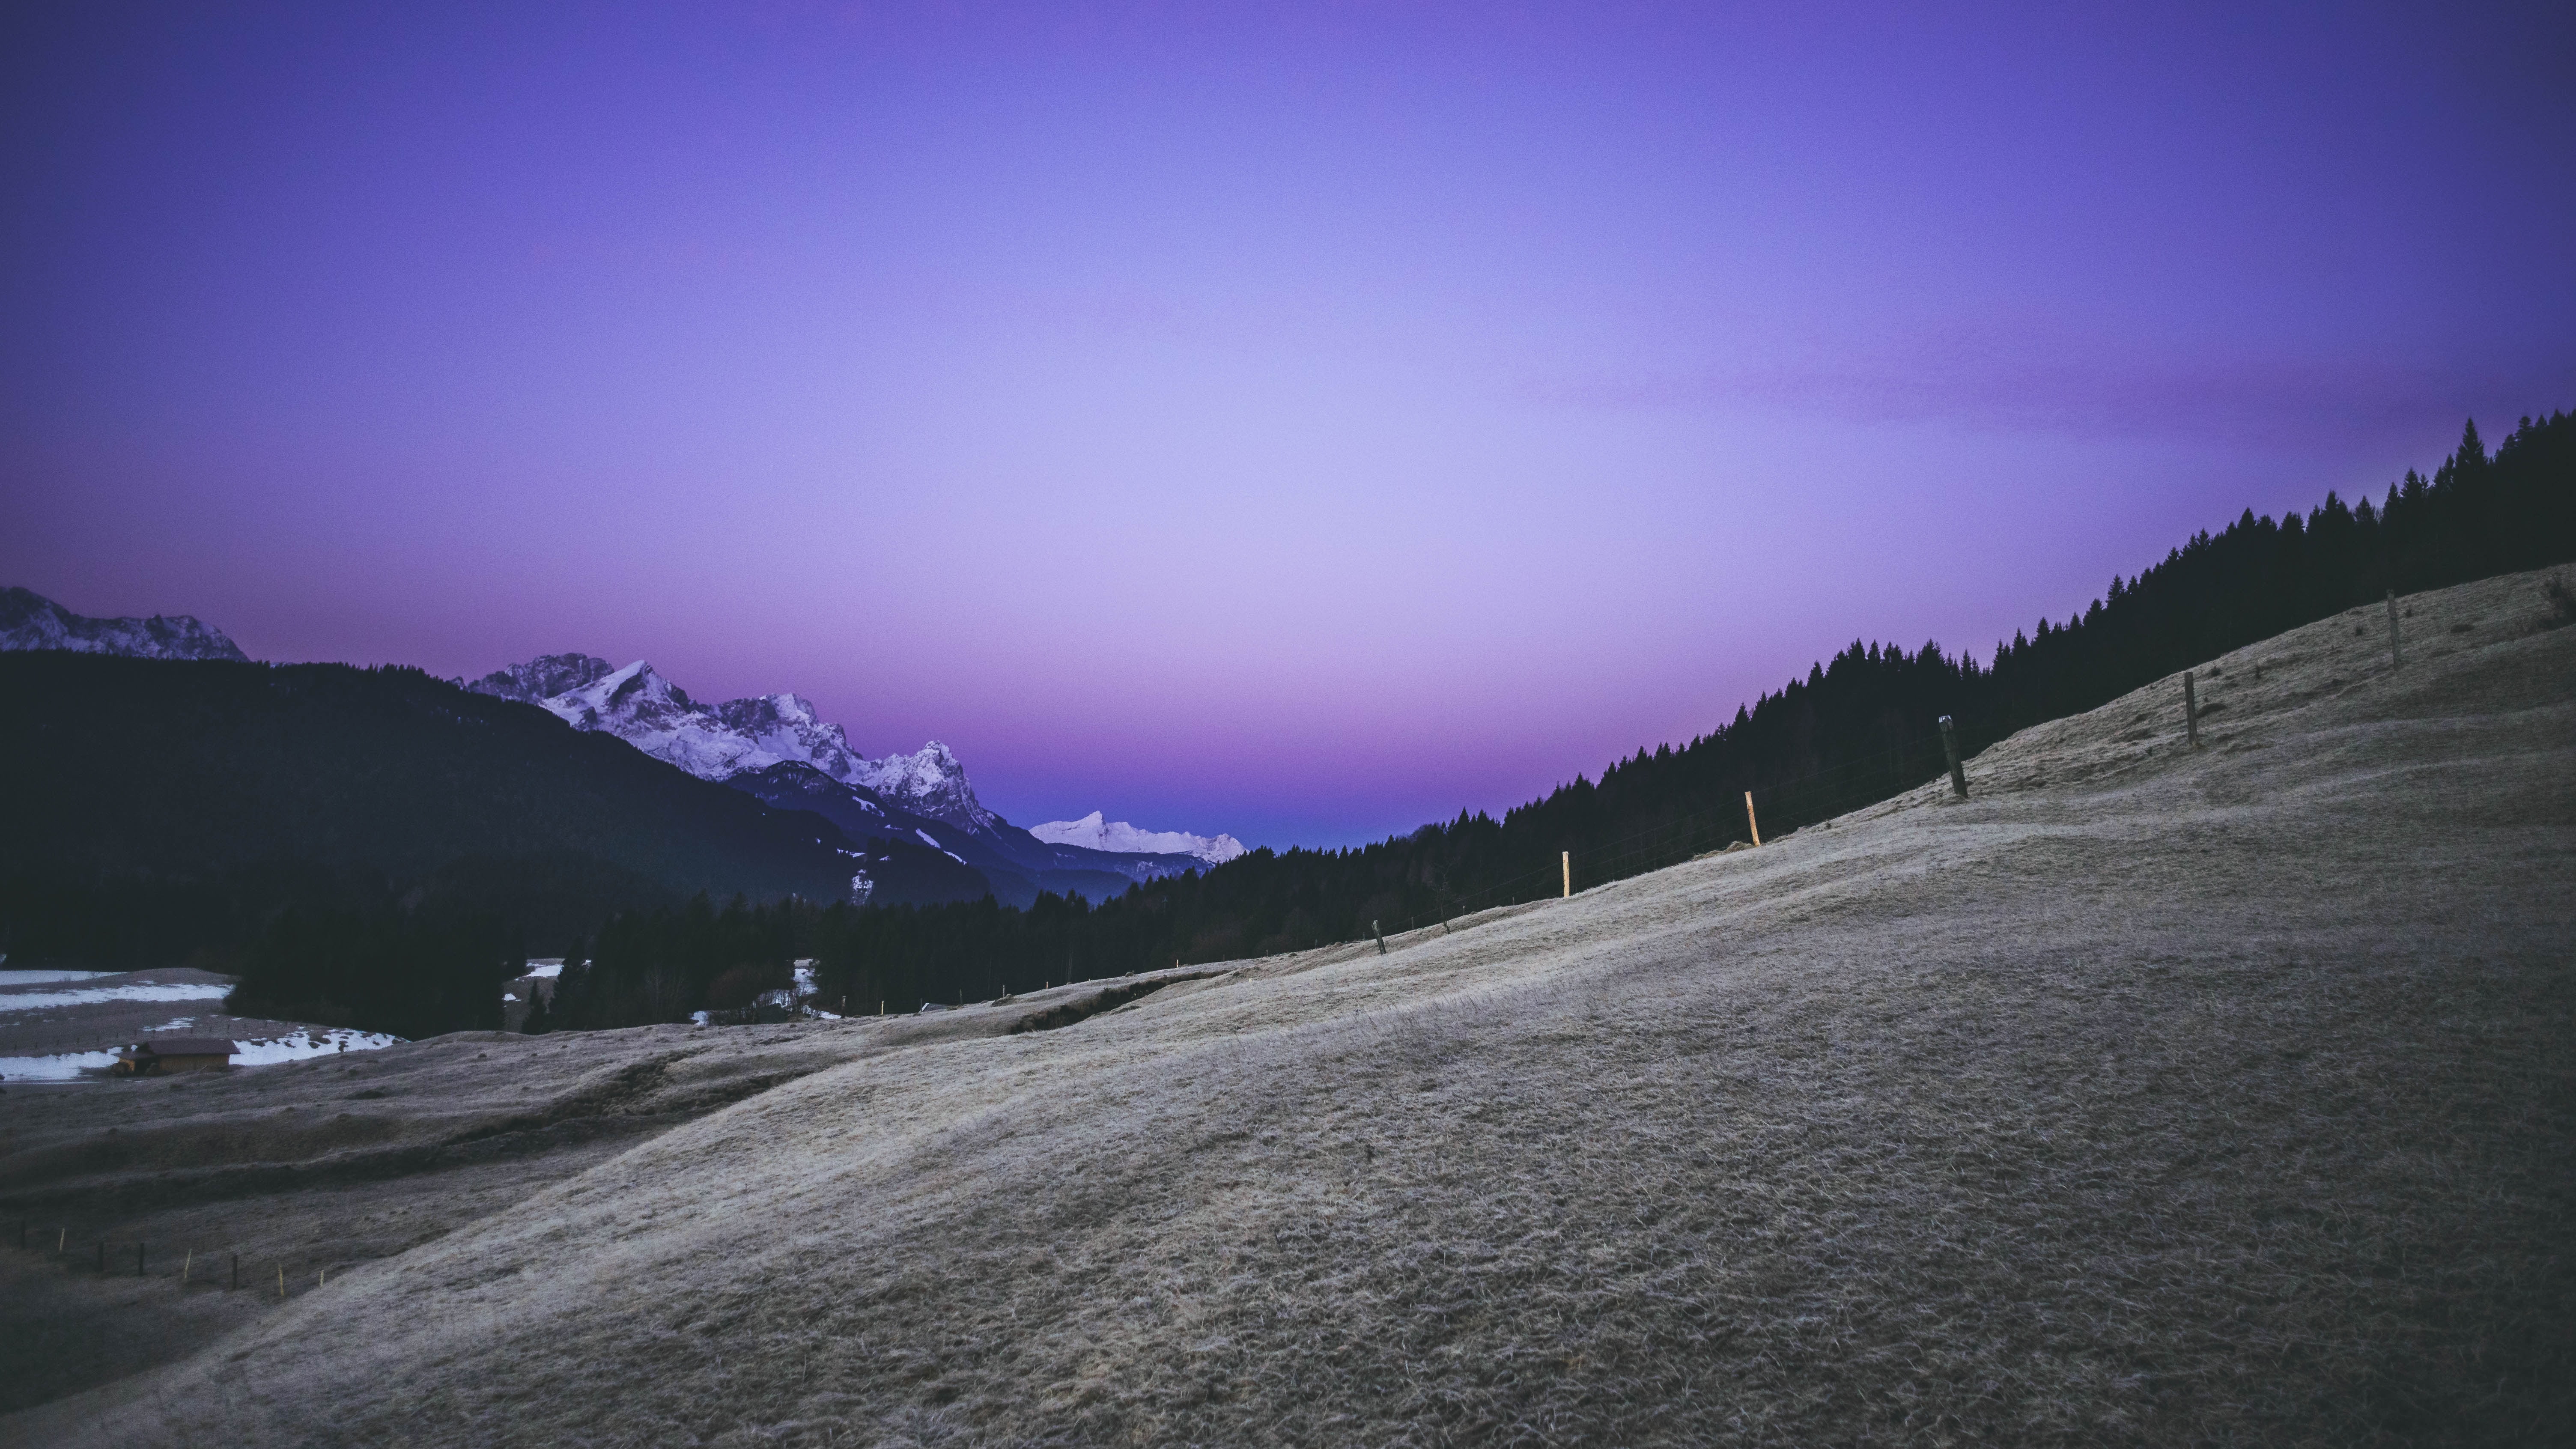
x=1092, y=833
x=738, y=736
x=2149, y=1095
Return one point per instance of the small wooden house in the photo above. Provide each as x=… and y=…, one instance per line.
x=174, y=1054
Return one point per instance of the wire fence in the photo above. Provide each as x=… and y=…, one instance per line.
x=188, y=1268
x=1779, y=807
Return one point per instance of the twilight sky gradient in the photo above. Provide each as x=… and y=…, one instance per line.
x=1298, y=421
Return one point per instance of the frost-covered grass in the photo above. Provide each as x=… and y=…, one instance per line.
x=2150, y=1096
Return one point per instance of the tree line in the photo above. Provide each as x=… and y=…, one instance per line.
x=422, y=952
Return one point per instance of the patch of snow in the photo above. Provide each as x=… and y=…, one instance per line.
x=91, y=996
x=548, y=967
x=697, y=1018
x=177, y=1023
x=64, y=1068
x=301, y=1044
x=1121, y=838
x=925, y=838
x=41, y=978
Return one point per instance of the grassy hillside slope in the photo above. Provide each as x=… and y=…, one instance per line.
x=2149, y=1096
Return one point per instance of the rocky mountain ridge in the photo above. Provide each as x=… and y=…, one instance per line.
x=738, y=736
x=778, y=748
x=29, y=621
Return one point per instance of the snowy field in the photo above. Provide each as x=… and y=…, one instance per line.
x=99, y=995
x=297, y=1046
x=2150, y=1096
x=61, y=1067
x=66, y=1026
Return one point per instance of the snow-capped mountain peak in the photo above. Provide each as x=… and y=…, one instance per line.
x=1093, y=833
x=29, y=620
x=640, y=706
x=929, y=781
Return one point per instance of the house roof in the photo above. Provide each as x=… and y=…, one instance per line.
x=186, y=1046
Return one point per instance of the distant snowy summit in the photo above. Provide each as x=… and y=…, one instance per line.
x=717, y=742
x=1121, y=837
x=29, y=620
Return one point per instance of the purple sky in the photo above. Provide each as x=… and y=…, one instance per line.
x=1302, y=422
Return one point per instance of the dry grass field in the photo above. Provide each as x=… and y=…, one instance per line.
x=2150, y=1095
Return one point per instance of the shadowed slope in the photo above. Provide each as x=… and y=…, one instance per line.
x=2150, y=1095
x=195, y=768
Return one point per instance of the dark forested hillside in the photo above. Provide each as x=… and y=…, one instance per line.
x=135, y=764
x=156, y=809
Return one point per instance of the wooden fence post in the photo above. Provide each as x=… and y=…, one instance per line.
x=2394, y=658
x=1950, y=748
x=1375, y=929
x=2190, y=711
x=1566, y=859
x=1749, y=820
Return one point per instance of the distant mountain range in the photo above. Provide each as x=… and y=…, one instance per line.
x=919, y=808
x=716, y=742
x=29, y=620
x=1121, y=836
x=777, y=748
x=199, y=770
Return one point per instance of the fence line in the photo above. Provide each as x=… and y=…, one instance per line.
x=107, y=1258
x=1791, y=804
